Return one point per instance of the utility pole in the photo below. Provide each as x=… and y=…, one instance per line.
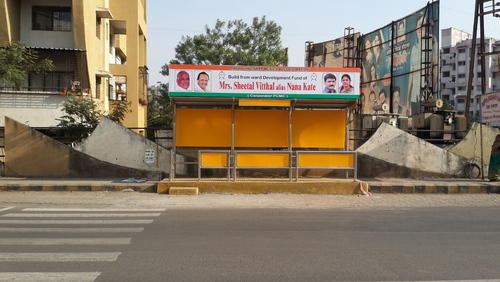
x=492, y=8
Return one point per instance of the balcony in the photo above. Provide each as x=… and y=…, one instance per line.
x=69, y=73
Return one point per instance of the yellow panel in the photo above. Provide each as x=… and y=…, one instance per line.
x=275, y=103
x=326, y=160
x=263, y=160
x=261, y=128
x=203, y=128
x=319, y=129
x=214, y=159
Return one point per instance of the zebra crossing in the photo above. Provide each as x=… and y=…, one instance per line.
x=36, y=235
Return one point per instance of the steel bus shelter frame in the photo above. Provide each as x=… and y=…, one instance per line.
x=193, y=102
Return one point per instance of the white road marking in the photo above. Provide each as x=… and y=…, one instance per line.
x=64, y=241
x=72, y=230
x=81, y=221
x=58, y=257
x=89, y=210
x=6, y=209
x=49, y=276
x=80, y=214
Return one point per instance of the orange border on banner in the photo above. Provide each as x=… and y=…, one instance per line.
x=261, y=68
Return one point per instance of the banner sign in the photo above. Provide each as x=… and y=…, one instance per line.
x=490, y=108
x=392, y=62
x=264, y=82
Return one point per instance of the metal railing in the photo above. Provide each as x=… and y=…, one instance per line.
x=201, y=166
x=231, y=162
x=354, y=166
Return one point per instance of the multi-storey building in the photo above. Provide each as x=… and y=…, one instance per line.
x=98, y=48
x=455, y=61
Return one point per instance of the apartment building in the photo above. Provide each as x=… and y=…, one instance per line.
x=454, y=70
x=98, y=48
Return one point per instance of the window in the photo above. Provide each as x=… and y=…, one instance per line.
x=453, y=78
x=461, y=88
x=446, y=50
x=98, y=28
x=51, y=18
x=461, y=50
x=50, y=81
x=461, y=63
x=460, y=101
x=121, y=88
x=98, y=82
x=461, y=75
x=446, y=74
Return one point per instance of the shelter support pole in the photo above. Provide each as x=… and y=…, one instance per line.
x=173, y=151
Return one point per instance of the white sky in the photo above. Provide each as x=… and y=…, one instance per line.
x=315, y=20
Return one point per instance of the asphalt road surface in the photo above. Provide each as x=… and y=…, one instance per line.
x=47, y=242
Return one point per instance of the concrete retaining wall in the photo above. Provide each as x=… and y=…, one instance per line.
x=391, y=152
x=29, y=153
x=116, y=144
x=470, y=146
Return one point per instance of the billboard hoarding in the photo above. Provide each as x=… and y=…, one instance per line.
x=264, y=82
x=398, y=60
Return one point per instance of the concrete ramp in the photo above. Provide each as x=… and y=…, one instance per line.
x=29, y=153
x=470, y=146
x=118, y=145
x=391, y=152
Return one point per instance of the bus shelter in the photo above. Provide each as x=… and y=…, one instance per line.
x=241, y=118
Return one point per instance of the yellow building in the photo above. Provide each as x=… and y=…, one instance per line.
x=98, y=48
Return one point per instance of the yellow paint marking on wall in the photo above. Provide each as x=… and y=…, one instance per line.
x=319, y=129
x=263, y=160
x=270, y=103
x=203, y=128
x=325, y=160
x=214, y=159
x=261, y=128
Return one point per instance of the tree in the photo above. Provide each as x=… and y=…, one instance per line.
x=16, y=61
x=160, y=108
x=82, y=116
x=233, y=43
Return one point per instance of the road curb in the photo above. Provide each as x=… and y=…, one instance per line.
x=78, y=188
x=476, y=188
x=263, y=188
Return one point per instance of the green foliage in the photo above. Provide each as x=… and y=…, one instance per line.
x=120, y=110
x=233, y=43
x=160, y=110
x=82, y=116
x=16, y=61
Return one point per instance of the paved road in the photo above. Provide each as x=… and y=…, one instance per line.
x=88, y=243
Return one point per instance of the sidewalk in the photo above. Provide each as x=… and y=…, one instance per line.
x=377, y=185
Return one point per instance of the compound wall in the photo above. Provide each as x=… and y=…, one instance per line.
x=391, y=152
x=29, y=153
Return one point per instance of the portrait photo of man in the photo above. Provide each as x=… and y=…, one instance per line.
x=183, y=80
x=202, y=84
x=330, y=83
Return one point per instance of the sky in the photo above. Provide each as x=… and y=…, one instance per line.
x=301, y=21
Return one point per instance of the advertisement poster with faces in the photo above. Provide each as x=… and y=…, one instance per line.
x=264, y=82
x=392, y=61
